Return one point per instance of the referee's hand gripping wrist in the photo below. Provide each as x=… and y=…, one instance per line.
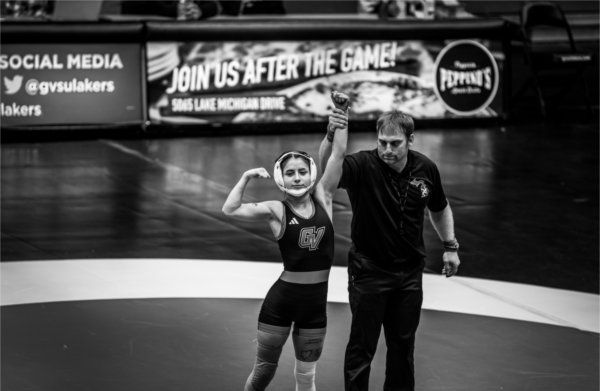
x=337, y=120
x=330, y=132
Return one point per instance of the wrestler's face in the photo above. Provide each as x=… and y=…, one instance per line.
x=392, y=147
x=296, y=173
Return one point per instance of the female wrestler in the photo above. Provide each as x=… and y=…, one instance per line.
x=302, y=226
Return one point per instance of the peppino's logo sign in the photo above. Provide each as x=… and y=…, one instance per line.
x=466, y=77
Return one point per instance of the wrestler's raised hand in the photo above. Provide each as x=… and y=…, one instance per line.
x=340, y=100
x=339, y=117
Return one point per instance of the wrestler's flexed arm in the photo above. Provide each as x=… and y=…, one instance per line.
x=271, y=211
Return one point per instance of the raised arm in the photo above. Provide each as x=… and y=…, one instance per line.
x=234, y=207
x=325, y=147
x=333, y=168
x=339, y=119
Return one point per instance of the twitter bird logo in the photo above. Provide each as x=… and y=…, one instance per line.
x=13, y=86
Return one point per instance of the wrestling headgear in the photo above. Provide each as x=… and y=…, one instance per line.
x=278, y=174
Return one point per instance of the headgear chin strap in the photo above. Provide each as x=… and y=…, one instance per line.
x=278, y=174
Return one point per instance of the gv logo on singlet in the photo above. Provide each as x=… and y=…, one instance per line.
x=310, y=237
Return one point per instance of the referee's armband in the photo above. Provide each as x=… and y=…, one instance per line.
x=451, y=245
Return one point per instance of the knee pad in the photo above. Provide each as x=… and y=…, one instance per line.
x=262, y=374
x=308, y=344
x=305, y=375
x=270, y=341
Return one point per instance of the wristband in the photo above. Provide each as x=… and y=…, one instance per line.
x=451, y=245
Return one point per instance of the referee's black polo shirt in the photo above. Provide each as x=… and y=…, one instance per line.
x=389, y=207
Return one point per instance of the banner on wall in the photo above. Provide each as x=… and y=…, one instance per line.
x=58, y=84
x=290, y=81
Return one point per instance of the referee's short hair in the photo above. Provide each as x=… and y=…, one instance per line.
x=395, y=121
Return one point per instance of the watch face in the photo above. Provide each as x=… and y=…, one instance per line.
x=451, y=245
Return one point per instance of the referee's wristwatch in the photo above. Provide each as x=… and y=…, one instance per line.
x=451, y=245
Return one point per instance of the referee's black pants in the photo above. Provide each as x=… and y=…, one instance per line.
x=392, y=299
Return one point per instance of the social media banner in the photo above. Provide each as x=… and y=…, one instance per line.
x=58, y=84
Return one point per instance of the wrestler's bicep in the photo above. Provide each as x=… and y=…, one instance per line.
x=253, y=211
